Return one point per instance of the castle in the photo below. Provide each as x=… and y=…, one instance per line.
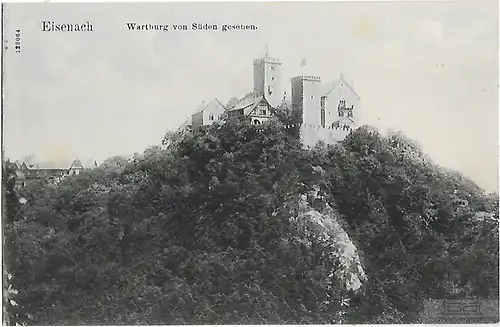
x=328, y=110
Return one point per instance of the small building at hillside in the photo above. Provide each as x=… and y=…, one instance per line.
x=76, y=168
x=53, y=175
x=253, y=106
x=209, y=113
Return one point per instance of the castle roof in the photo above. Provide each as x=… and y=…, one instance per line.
x=332, y=85
x=231, y=103
x=348, y=85
x=307, y=78
x=248, y=103
x=205, y=106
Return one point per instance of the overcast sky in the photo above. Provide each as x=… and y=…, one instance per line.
x=429, y=69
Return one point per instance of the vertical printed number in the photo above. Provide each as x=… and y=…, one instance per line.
x=17, y=43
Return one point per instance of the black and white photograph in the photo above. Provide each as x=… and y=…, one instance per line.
x=250, y=163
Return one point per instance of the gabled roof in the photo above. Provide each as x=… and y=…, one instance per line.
x=231, y=103
x=252, y=109
x=345, y=120
x=205, y=106
x=247, y=103
x=250, y=102
x=348, y=85
x=77, y=164
x=335, y=84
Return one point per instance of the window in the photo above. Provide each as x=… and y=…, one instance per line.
x=272, y=78
x=263, y=112
x=211, y=117
x=256, y=122
x=270, y=89
x=272, y=67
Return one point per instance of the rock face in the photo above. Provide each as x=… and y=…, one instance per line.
x=327, y=228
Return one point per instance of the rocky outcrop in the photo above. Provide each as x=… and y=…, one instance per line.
x=326, y=226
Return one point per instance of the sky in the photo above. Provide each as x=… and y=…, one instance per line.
x=428, y=69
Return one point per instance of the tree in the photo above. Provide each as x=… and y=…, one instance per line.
x=238, y=224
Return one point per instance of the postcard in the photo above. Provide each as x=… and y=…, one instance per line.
x=250, y=163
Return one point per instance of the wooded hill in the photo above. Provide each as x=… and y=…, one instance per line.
x=240, y=225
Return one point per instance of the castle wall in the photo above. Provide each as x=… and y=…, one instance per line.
x=310, y=135
x=297, y=97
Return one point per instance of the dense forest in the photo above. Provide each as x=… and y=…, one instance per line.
x=239, y=224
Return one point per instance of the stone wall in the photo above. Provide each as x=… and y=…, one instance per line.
x=310, y=135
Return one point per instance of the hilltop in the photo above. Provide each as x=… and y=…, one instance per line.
x=239, y=224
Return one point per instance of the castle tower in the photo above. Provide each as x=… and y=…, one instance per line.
x=306, y=98
x=267, y=79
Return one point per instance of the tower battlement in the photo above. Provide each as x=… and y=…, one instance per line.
x=307, y=78
x=271, y=60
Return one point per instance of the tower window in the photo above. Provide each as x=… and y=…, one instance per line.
x=270, y=89
x=272, y=67
x=211, y=116
x=272, y=78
